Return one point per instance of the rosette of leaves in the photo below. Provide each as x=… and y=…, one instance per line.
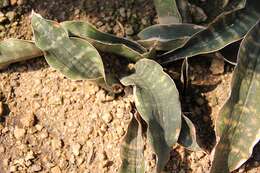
x=72, y=47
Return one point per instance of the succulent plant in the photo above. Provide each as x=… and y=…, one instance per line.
x=72, y=48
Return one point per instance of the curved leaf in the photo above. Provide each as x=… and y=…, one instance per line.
x=73, y=57
x=226, y=29
x=105, y=42
x=132, y=150
x=168, y=37
x=157, y=101
x=183, y=6
x=187, y=136
x=167, y=11
x=14, y=50
x=238, y=123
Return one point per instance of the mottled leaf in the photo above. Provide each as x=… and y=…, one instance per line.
x=187, y=136
x=157, y=101
x=167, y=37
x=74, y=57
x=238, y=122
x=105, y=42
x=226, y=29
x=167, y=11
x=132, y=150
x=14, y=50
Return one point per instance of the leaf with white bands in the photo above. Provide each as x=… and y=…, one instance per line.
x=167, y=11
x=105, y=42
x=226, y=29
x=132, y=149
x=14, y=50
x=157, y=101
x=74, y=57
x=167, y=37
x=238, y=122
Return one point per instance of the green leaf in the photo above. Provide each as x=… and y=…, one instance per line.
x=238, y=122
x=167, y=11
x=76, y=58
x=132, y=150
x=187, y=136
x=14, y=50
x=157, y=101
x=226, y=29
x=168, y=37
x=105, y=42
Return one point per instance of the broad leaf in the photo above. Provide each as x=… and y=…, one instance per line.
x=167, y=11
x=105, y=42
x=132, y=150
x=168, y=37
x=157, y=101
x=187, y=136
x=226, y=29
x=238, y=123
x=14, y=50
x=74, y=57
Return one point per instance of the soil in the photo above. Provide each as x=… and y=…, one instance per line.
x=49, y=123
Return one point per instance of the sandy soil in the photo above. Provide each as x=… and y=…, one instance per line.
x=49, y=123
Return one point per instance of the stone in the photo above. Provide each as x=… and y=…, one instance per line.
x=36, y=168
x=56, y=144
x=19, y=133
x=28, y=120
x=11, y=15
x=55, y=169
x=217, y=66
x=75, y=148
x=2, y=149
x=107, y=117
x=13, y=2
x=129, y=30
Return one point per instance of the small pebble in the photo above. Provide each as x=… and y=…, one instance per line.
x=36, y=168
x=107, y=117
x=75, y=148
x=55, y=169
x=19, y=133
x=28, y=120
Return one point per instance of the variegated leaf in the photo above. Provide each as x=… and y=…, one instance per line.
x=183, y=6
x=168, y=37
x=105, y=42
x=167, y=11
x=238, y=122
x=74, y=57
x=14, y=50
x=226, y=29
x=157, y=101
x=132, y=150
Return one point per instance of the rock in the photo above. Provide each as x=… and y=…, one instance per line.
x=11, y=15
x=21, y=2
x=28, y=120
x=19, y=133
x=2, y=149
x=1, y=109
x=55, y=169
x=217, y=66
x=56, y=144
x=107, y=117
x=129, y=30
x=75, y=148
x=122, y=12
x=29, y=156
x=13, y=168
x=13, y=2
x=36, y=168
x=38, y=127
x=3, y=19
